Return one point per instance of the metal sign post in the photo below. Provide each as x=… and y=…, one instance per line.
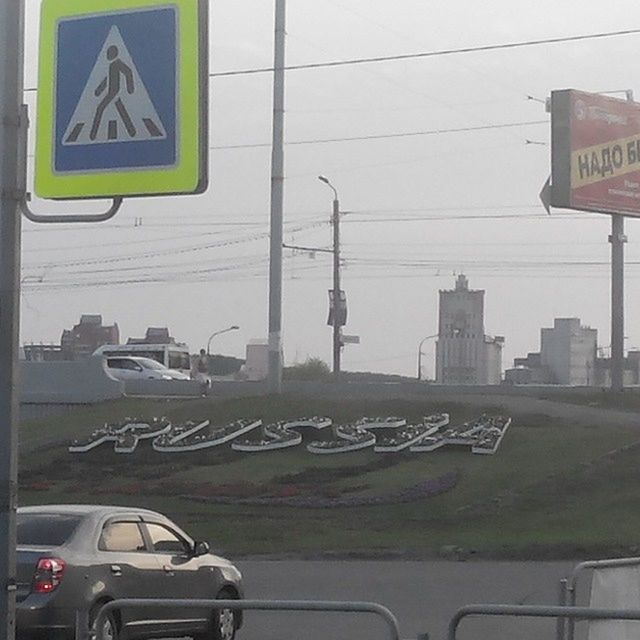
x=130, y=117
x=11, y=87
x=595, y=163
x=617, y=240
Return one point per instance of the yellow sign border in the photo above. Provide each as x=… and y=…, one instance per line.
x=189, y=173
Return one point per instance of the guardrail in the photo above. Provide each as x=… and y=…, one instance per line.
x=255, y=605
x=568, y=589
x=528, y=611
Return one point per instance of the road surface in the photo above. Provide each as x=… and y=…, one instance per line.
x=423, y=596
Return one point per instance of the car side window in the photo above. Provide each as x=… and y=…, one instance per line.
x=132, y=365
x=114, y=363
x=166, y=541
x=122, y=536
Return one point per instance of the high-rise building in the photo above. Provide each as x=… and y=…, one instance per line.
x=568, y=352
x=568, y=356
x=464, y=354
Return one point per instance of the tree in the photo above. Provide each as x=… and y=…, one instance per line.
x=311, y=369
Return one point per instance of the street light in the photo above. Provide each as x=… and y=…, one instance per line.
x=337, y=343
x=217, y=333
x=420, y=353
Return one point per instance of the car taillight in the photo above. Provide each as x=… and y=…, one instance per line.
x=48, y=575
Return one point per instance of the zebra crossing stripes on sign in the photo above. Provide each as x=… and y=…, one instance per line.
x=115, y=105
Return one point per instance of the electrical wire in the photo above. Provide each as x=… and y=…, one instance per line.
x=386, y=136
x=431, y=54
x=171, y=251
x=422, y=54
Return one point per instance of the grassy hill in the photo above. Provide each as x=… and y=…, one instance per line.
x=556, y=488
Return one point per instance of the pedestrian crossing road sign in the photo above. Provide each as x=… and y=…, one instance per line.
x=122, y=98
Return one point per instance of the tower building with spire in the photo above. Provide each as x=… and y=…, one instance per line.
x=464, y=354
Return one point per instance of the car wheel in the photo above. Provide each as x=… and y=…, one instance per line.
x=223, y=622
x=109, y=628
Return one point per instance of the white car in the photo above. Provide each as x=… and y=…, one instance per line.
x=134, y=368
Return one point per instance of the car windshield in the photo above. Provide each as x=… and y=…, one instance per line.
x=46, y=529
x=148, y=363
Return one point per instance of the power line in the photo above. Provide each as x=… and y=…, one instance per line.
x=422, y=54
x=385, y=136
x=430, y=54
x=448, y=218
x=168, y=252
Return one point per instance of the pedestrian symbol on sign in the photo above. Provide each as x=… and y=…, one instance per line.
x=115, y=105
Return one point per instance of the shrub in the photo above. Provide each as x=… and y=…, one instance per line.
x=311, y=369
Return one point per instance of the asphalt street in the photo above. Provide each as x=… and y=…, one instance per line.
x=422, y=595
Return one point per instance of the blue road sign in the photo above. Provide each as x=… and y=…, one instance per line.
x=115, y=129
x=122, y=104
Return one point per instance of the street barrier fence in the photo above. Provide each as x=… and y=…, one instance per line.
x=527, y=611
x=83, y=631
x=569, y=589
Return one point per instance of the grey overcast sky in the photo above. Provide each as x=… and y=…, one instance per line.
x=419, y=209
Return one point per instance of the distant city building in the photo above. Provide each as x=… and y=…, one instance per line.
x=42, y=352
x=569, y=352
x=630, y=371
x=464, y=354
x=567, y=356
x=256, y=365
x=81, y=341
x=154, y=335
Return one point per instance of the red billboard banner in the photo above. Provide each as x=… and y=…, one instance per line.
x=595, y=153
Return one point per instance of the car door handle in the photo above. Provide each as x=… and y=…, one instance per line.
x=168, y=570
x=116, y=570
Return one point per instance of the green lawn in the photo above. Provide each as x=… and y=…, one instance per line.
x=551, y=491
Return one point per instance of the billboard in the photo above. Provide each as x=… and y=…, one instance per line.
x=595, y=153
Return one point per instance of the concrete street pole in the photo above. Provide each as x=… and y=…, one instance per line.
x=11, y=88
x=337, y=302
x=274, y=377
x=335, y=221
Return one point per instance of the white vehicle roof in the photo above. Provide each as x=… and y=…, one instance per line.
x=126, y=348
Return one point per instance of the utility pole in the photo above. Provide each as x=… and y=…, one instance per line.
x=11, y=88
x=337, y=302
x=274, y=377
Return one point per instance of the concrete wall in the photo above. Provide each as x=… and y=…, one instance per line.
x=163, y=388
x=81, y=382
x=86, y=382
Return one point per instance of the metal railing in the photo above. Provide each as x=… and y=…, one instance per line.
x=528, y=611
x=252, y=605
x=569, y=589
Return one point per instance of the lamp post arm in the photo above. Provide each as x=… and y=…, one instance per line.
x=217, y=333
x=420, y=353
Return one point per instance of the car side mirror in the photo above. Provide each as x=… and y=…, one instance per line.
x=201, y=548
